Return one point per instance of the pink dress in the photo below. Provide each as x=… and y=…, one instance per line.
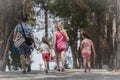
x=60, y=42
x=86, y=48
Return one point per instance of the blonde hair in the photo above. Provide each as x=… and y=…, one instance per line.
x=59, y=26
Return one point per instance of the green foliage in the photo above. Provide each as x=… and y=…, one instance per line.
x=80, y=16
x=97, y=6
x=60, y=8
x=77, y=12
x=32, y=21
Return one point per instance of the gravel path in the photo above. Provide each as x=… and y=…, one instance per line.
x=54, y=75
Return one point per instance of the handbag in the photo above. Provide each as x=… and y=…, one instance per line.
x=28, y=40
x=19, y=41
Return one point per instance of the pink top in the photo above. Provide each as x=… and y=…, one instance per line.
x=60, y=42
x=86, y=46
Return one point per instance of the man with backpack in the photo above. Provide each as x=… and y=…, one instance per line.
x=26, y=31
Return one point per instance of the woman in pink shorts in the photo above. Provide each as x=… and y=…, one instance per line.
x=86, y=48
x=60, y=37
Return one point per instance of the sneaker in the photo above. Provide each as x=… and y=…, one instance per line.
x=46, y=71
x=23, y=72
x=85, y=70
x=29, y=68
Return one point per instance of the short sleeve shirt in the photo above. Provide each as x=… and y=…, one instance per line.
x=44, y=48
x=86, y=43
x=27, y=29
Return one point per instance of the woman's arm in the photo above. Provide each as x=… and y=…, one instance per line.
x=32, y=36
x=65, y=34
x=81, y=45
x=50, y=52
x=54, y=41
x=14, y=35
x=93, y=49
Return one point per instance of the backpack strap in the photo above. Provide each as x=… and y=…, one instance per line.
x=23, y=30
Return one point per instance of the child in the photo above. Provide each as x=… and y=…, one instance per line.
x=45, y=48
x=87, y=47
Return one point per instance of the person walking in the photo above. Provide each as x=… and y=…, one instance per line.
x=46, y=53
x=24, y=50
x=87, y=47
x=60, y=38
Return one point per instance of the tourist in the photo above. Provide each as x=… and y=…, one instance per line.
x=25, y=30
x=46, y=53
x=87, y=47
x=60, y=38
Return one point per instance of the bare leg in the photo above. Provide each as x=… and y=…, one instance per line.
x=22, y=58
x=85, y=63
x=89, y=64
x=28, y=63
x=58, y=61
x=28, y=59
x=46, y=66
x=63, y=59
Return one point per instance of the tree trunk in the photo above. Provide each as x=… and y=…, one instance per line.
x=46, y=22
x=73, y=44
x=74, y=54
x=8, y=9
x=117, y=56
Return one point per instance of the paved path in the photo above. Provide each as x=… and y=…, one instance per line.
x=54, y=75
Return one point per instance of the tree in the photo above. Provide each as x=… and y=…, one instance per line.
x=98, y=18
x=11, y=13
x=115, y=9
x=80, y=14
x=44, y=6
x=8, y=12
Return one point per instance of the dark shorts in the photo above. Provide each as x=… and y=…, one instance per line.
x=24, y=49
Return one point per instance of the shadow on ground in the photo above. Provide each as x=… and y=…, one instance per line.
x=54, y=75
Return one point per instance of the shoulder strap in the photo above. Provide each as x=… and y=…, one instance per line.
x=23, y=30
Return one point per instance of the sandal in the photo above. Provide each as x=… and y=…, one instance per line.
x=63, y=69
x=58, y=69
